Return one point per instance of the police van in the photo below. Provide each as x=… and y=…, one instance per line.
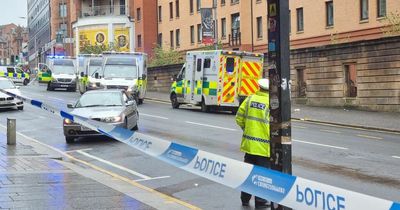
x=89, y=65
x=15, y=74
x=217, y=79
x=62, y=72
x=126, y=71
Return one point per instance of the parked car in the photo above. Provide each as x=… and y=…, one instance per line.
x=109, y=106
x=7, y=101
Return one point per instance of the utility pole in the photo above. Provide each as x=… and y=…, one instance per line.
x=215, y=6
x=279, y=76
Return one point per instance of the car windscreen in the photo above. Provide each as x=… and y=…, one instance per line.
x=6, y=84
x=95, y=99
x=63, y=67
x=95, y=66
x=120, y=71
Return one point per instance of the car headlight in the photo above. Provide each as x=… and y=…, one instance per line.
x=67, y=121
x=112, y=119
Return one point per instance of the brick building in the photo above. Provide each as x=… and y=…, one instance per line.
x=12, y=38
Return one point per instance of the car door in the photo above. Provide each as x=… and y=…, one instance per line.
x=129, y=111
x=198, y=81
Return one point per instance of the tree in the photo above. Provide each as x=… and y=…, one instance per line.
x=98, y=48
x=392, y=27
x=164, y=57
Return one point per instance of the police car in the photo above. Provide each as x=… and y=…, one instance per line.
x=15, y=74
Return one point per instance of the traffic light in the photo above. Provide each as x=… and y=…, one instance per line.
x=16, y=59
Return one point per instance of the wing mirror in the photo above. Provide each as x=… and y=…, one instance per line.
x=82, y=74
x=96, y=75
x=144, y=76
x=71, y=106
x=130, y=103
x=49, y=72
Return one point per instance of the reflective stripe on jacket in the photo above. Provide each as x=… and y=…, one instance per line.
x=253, y=117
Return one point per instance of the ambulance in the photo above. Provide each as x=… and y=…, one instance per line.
x=217, y=79
x=88, y=66
x=62, y=71
x=43, y=75
x=15, y=74
x=126, y=71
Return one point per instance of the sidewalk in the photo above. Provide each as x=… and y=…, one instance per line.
x=383, y=121
x=33, y=177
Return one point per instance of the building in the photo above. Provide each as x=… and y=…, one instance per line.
x=39, y=30
x=146, y=34
x=12, y=39
x=50, y=30
x=106, y=23
x=242, y=24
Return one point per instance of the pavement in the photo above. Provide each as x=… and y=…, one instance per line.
x=32, y=176
x=381, y=121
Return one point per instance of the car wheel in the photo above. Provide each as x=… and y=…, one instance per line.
x=204, y=107
x=26, y=82
x=69, y=139
x=174, y=101
x=135, y=128
x=21, y=108
x=49, y=88
x=140, y=101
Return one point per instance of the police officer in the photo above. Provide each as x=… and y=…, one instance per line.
x=253, y=118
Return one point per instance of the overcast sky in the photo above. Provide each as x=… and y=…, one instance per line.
x=12, y=10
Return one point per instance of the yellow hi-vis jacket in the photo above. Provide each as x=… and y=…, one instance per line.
x=253, y=118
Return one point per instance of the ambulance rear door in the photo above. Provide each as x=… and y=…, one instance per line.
x=230, y=69
x=251, y=68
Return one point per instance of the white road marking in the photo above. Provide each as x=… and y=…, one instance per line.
x=114, y=165
x=154, y=116
x=157, y=101
x=322, y=145
x=330, y=131
x=154, y=178
x=396, y=157
x=70, y=151
x=297, y=126
x=369, y=137
x=211, y=126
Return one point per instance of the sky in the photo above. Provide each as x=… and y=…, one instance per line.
x=12, y=10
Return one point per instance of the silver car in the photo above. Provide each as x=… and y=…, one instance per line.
x=109, y=106
x=7, y=101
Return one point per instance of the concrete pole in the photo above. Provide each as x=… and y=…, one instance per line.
x=11, y=131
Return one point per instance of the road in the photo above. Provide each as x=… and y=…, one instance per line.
x=358, y=160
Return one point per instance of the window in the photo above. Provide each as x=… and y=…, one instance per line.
x=191, y=34
x=171, y=10
x=301, y=83
x=198, y=65
x=138, y=14
x=207, y=63
x=177, y=8
x=191, y=6
x=381, y=8
x=259, y=27
x=300, y=21
x=171, y=38
x=222, y=2
x=350, y=76
x=198, y=5
x=139, y=41
x=159, y=13
x=234, y=1
x=63, y=10
x=329, y=13
x=230, y=65
x=223, y=27
x=178, y=37
x=364, y=9
x=63, y=28
x=159, y=39
x=199, y=35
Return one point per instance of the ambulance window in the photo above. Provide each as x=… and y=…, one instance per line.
x=230, y=65
x=10, y=70
x=207, y=63
x=198, y=65
x=19, y=70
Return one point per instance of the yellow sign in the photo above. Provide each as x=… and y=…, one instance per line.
x=98, y=36
x=272, y=10
x=121, y=39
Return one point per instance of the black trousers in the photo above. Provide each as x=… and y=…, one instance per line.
x=259, y=161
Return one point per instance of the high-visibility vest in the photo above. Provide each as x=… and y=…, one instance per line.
x=253, y=117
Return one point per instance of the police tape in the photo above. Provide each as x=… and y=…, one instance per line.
x=285, y=189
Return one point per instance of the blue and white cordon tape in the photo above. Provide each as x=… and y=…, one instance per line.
x=288, y=190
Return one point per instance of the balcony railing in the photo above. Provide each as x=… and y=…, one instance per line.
x=103, y=11
x=235, y=39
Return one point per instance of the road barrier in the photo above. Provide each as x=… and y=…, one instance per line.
x=288, y=190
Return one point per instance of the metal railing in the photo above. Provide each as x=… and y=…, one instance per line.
x=235, y=39
x=107, y=10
